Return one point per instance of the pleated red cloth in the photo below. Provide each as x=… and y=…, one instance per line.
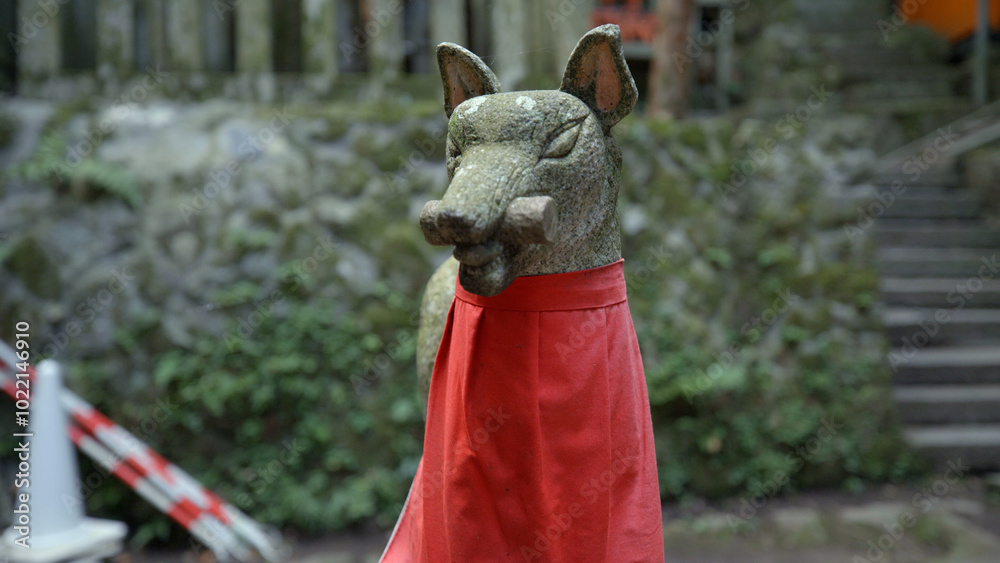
x=539, y=442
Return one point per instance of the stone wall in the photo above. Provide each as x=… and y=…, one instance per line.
x=261, y=266
x=227, y=194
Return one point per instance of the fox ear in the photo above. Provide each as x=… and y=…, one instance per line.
x=598, y=75
x=464, y=76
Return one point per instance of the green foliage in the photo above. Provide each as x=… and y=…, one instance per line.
x=51, y=164
x=751, y=376
x=926, y=45
x=993, y=490
x=762, y=349
x=309, y=419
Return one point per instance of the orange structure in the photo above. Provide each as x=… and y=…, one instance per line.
x=636, y=22
x=954, y=19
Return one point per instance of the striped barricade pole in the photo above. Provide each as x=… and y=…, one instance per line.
x=205, y=528
x=218, y=539
x=167, y=475
x=219, y=525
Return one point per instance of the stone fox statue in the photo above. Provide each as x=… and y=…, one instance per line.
x=538, y=444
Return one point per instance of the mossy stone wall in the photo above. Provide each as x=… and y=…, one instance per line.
x=265, y=281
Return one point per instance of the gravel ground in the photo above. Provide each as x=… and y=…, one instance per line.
x=810, y=527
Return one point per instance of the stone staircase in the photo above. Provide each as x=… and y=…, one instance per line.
x=942, y=317
x=936, y=254
x=878, y=75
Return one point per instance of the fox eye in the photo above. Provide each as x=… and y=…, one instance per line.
x=454, y=151
x=453, y=160
x=561, y=142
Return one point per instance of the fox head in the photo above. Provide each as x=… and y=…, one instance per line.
x=553, y=143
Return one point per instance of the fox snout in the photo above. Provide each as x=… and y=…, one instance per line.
x=527, y=220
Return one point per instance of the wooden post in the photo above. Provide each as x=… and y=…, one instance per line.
x=481, y=29
x=254, y=36
x=319, y=37
x=510, y=42
x=115, y=37
x=447, y=23
x=724, y=57
x=217, y=36
x=541, y=44
x=150, y=19
x=670, y=78
x=184, y=48
x=36, y=40
x=980, y=85
x=383, y=28
x=563, y=24
x=419, y=51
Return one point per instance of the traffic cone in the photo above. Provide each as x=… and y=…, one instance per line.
x=49, y=523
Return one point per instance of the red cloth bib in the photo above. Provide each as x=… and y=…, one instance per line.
x=539, y=442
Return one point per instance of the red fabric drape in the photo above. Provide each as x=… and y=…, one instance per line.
x=539, y=443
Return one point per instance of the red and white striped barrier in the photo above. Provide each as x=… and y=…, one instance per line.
x=220, y=526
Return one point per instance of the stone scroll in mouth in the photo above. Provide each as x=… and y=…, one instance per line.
x=528, y=220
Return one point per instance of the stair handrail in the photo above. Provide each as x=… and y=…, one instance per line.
x=972, y=131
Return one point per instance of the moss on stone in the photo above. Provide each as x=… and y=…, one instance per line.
x=31, y=263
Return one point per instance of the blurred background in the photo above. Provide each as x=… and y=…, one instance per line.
x=208, y=213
